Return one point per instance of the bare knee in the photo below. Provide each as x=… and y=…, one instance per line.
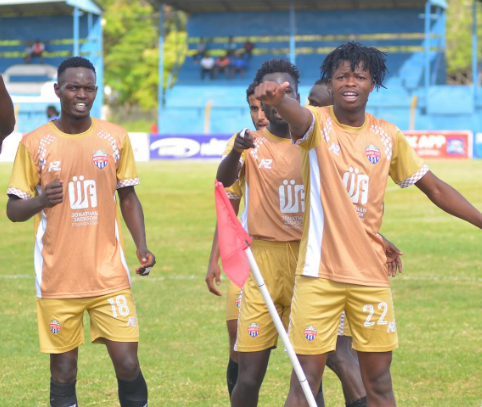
x=63, y=367
x=128, y=368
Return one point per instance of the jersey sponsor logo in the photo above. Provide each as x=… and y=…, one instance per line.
x=310, y=332
x=54, y=166
x=55, y=326
x=100, y=158
x=237, y=301
x=82, y=193
x=335, y=149
x=291, y=197
x=373, y=153
x=266, y=163
x=132, y=322
x=392, y=327
x=357, y=185
x=253, y=329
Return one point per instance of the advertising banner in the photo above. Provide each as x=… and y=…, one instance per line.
x=188, y=146
x=441, y=144
x=478, y=145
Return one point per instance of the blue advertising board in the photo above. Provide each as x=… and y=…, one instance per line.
x=177, y=147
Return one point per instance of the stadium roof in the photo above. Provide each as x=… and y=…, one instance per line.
x=46, y=7
x=209, y=6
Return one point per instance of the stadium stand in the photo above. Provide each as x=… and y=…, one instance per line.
x=392, y=26
x=54, y=23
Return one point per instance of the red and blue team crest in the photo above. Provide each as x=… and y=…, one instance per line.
x=100, y=159
x=373, y=153
x=310, y=332
x=54, y=326
x=237, y=301
x=253, y=329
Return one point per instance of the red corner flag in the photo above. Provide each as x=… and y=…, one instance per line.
x=233, y=239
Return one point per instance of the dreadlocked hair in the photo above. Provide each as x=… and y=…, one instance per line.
x=357, y=54
x=250, y=90
x=278, y=65
x=74, y=62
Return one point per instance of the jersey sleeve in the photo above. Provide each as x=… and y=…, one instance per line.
x=406, y=167
x=312, y=137
x=126, y=172
x=24, y=178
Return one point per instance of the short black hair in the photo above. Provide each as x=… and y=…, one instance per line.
x=278, y=65
x=74, y=62
x=250, y=90
x=358, y=55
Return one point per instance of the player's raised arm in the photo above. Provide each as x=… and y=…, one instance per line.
x=448, y=199
x=299, y=118
x=214, y=271
x=229, y=168
x=7, y=115
x=133, y=215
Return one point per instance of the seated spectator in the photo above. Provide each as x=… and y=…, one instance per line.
x=238, y=65
x=52, y=113
x=222, y=65
x=248, y=49
x=35, y=50
x=207, y=66
x=201, y=49
x=230, y=47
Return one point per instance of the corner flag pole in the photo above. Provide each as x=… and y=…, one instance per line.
x=280, y=328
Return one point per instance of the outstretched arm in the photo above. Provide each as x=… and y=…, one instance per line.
x=214, y=272
x=299, y=118
x=7, y=114
x=448, y=199
x=230, y=166
x=133, y=215
x=20, y=210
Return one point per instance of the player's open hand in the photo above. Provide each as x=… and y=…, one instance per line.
x=147, y=260
x=394, y=262
x=243, y=141
x=53, y=194
x=270, y=92
x=213, y=274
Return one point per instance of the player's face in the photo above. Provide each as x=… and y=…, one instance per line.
x=351, y=88
x=320, y=96
x=257, y=115
x=280, y=77
x=76, y=90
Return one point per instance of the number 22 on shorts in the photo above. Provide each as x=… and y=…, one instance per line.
x=121, y=303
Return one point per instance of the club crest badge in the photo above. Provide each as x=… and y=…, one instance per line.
x=310, y=332
x=100, y=159
x=54, y=326
x=237, y=301
x=373, y=153
x=253, y=329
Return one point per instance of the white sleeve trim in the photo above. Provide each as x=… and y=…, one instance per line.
x=18, y=192
x=415, y=177
x=128, y=182
x=306, y=135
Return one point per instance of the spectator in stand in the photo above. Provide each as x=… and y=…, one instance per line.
x=35, y=50
x=239, y=65
x=248, y=49
x=222, y=65
x=207, y=66
x=52, y=113
x=230, y=47
x=201, y=49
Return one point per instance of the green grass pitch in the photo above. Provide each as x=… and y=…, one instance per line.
x=184, y=346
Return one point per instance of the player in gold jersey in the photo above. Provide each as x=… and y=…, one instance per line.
x=347, y=157
x=214, y=273
x=66, y=174
x=7, y=116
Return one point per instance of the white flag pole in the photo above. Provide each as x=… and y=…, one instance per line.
x=280, y=328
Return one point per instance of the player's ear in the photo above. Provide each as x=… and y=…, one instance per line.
x=57, y=89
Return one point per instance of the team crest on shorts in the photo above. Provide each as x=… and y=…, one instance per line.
x=100, y=159
x=253, y=329
x=373, y=153
x=310, y=332
x=54, y=326
x=237, y=301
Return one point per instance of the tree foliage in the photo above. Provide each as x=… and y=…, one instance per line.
x=131, y=50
